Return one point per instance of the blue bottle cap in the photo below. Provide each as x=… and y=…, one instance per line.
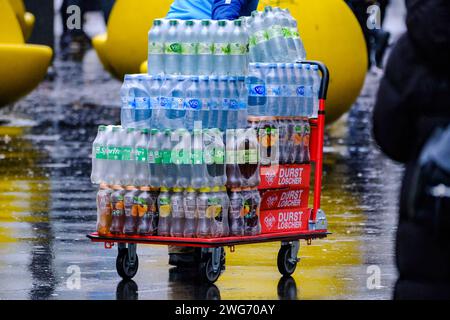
x=223, y=78
x=203, y=78
x=194, y=78
x=315, y=67
x=307, y=66
x=214, y=78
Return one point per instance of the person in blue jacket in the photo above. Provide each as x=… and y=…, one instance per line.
x=211, y=9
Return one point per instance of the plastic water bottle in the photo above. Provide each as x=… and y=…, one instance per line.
x=154, y=91
x=236, y=220
x=220, y=177
x=128, y=160
x=300, y=49
x=276, y=42
x=224, y=104
x=285, y=23
x=127, y=113
x=99, y=156
x=205, y=96
x=156, y=48
x=259, y=50
x=142, y=103
x=181, y=157
x=190, y=210
x=165, y=212
x=168, y=169
x=274, y=94
x=215, y=103
x=198, y=177
x=114, y=156
x=243, y=101
x=221, y=49
x=188, y=62
x=176, y=114
x=257, y=89
x=172, y=48
x=142, y=162
x=234, y=107
x=193, y=102
x=205, y=49
x=291, y=79
x=316, y=88
x=238, y=50
x=165, y=101
x=154, y=158
x=301, y=91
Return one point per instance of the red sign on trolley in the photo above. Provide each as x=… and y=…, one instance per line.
x=285, y=220
x=283, y=176
x=284, y=198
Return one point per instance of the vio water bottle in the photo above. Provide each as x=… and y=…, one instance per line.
x=221, y=49
x=234, y=107
x=205, y=96
x=273, y=87
x=205, y=49
x=316, y=88
x=127, y=113
x=176, y=114
x=291, y=85
x=224, y=104
x=188, y=61
x=165, y=101
x=215, y=102
x=301, y=91
x=309, y=84
x=193, y=103
x=257, y=98
x=243, y=100
x=156, y=48
x=172, y=48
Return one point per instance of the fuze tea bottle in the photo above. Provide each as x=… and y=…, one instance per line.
x=131, y=210
x=190, y=212
x=236, y=213
x=176, y=202
x=252, y=202
x=148, y=212
x=218, y=209
x=248, y=156
x=118, y=210
x=269, y=141
x=104, y=215
x=165, y=213
x=203, y=222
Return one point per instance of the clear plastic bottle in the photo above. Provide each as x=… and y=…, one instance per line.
x=224, y=105
x=221, y=49
x=300, y=109
x=168, y=168
x=203, y=222
x=175, y=116
x=165, y=101
x=181, y=157
x=215, y=212
x=114, y=156
x=199, y=174
x=131, y=210
x=127, y=112
x=243, y=103
x=300, y=49
x=234, y=106
x=232, y=168
x=154, y=91
x=257, y=93
x=156, y=172
x=274, y=90
x=259, y=50
x=176, y=202
x=215, y=104
x=165, y=212
x=99, y=156
x=142, y=174
x=172, y=48
x=104, y=212
x=220, y=177
x=148, y=213
x=190, y=213
x=156, y=48
x=128, y=162
x=142, y=115
x=205, y=49
x=118, y=210
x=291, y=80
x=236, y=213
x=193, y=103
x=189, y=58
x=238, y=50
x=309, y=94
x=205, y=95
x=276, y=41
x=252, y=204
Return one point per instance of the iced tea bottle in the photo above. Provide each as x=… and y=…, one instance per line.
x=131, y=210
x=216, y=213
x=118, y=209
x=236, y=213
x=147, y=211
x=176, y=202
x=203, y=222
x=165, y=213
x=252, y=201
x=104, y=214
x=190, y=212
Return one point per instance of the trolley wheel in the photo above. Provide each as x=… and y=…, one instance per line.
x=125, y=268
x=286, y=265
x=210, y=271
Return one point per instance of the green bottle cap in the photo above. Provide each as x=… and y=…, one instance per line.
x=173, y=22
x=222, y=23
x=206, y=22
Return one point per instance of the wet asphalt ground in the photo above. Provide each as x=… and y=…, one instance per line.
x=47, y=206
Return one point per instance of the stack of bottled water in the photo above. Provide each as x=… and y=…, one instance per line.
x=283, y=89
x=200, y=47
x=274, y=36
x=175, y=158
x=184, y=102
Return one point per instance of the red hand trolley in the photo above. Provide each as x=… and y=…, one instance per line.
x=212, y=255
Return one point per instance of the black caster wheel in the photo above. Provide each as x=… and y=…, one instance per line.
x=208, y=272
x=286, y=265
x=125, y=268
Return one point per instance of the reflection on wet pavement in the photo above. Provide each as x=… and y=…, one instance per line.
x=47, y=206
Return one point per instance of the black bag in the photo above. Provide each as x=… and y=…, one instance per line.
x=429, y=201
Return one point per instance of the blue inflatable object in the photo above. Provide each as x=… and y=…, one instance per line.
x=211, y=9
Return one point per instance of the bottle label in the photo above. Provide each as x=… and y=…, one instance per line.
x=301, y=92
x=225, y=104
x=165, y=103
x=257, y=90
x=219, y=156
x=251, y=156
x=240, y=157
x=233, y=104
x=155, y=48
x=221, y=49
x=208, y=156
x=126, y=153
x=154, y=156
x=274, y=91
x=189, y=48
x=142, y=155
x=287, y=32
x=294, y=33
x=166, y=157
x=164, y=207
x=205, y=48
x=114, y=153
x=231, y=157
x=100, y=152
x=193, y=104
x=238, y=49
x=154, y=102
x=197, y=156
x=275, y=31
x=177, y=104
x=172, y=48
x=258, y=37
x=180, y=156
x=141, y=102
